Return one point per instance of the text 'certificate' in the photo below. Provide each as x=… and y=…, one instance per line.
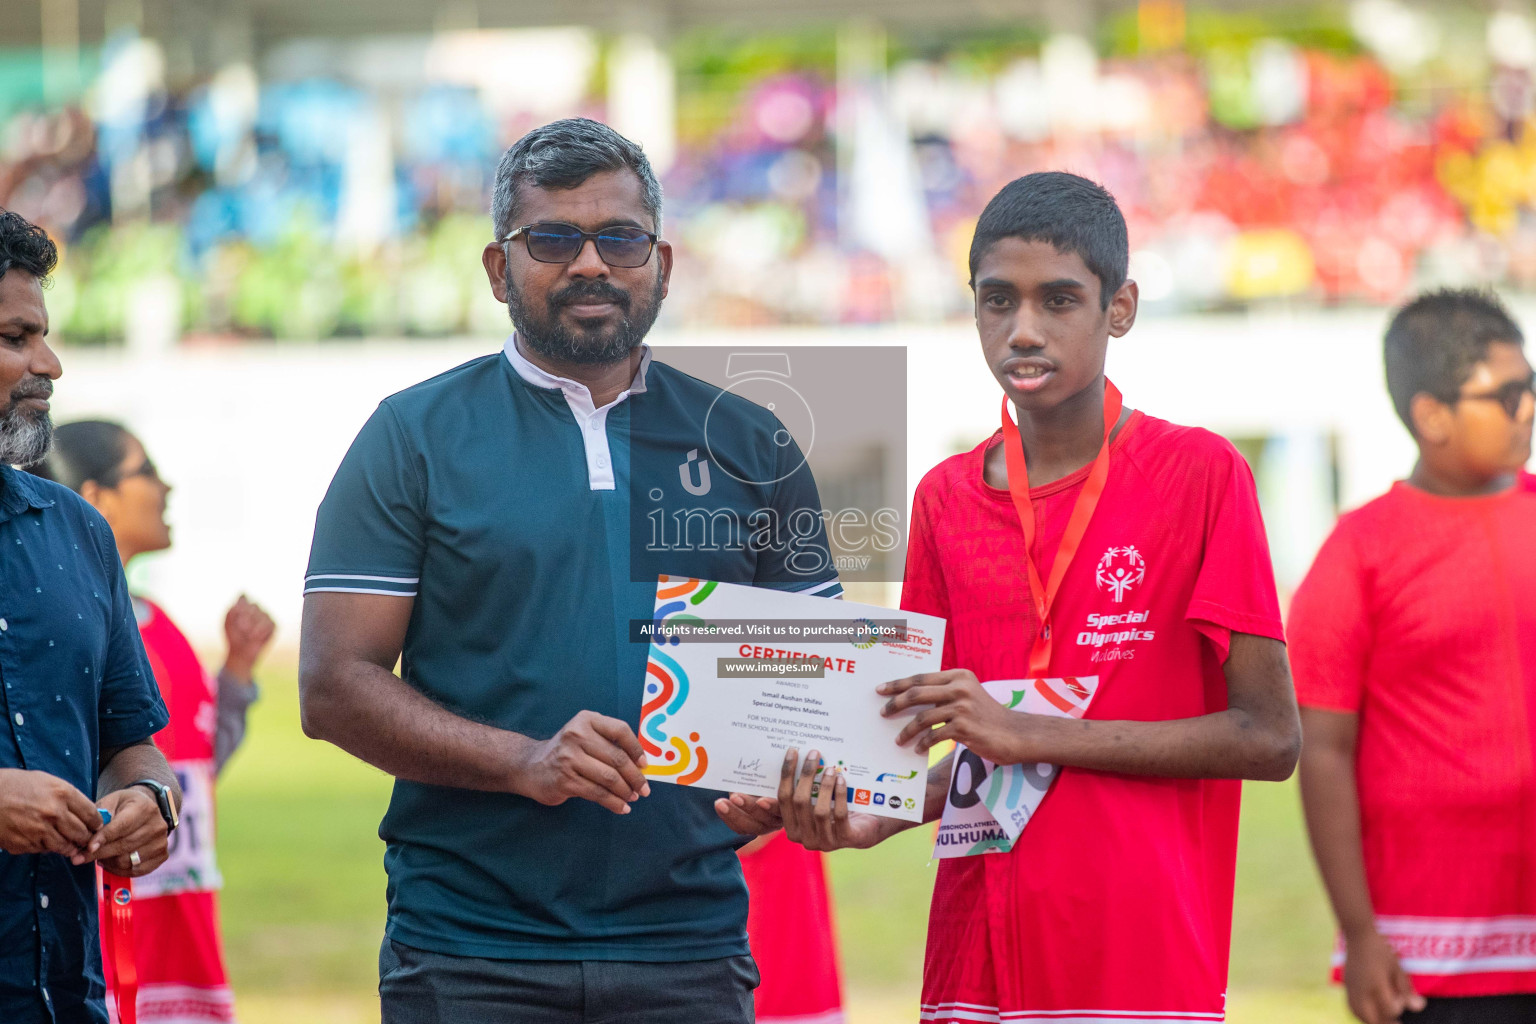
x=739, y=674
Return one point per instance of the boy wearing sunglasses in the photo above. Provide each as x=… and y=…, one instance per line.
x=1138, y=544
x=1413, y=641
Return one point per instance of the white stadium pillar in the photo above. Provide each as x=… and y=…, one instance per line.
x=642, y=96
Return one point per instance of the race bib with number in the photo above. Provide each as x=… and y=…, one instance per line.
x=191, y=866
x=988, y=805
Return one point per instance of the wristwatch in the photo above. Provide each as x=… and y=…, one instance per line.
x=163, y=801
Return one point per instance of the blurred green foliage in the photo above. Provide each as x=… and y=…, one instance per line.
x=1208, y=29
x=300, y=287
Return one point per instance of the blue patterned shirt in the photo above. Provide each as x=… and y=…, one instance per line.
x=73, y=680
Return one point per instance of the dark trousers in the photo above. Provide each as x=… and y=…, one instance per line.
x=418, y=987
x=1516, y=1009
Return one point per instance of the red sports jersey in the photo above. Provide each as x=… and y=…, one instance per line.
x=789, y=922
x=1116, y=901
x=1419, y=615
x=175, y=915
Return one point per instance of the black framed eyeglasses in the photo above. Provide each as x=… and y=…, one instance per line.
x=554, y=242
x=1509, y=396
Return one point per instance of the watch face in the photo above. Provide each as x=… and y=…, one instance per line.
x=163, y=801
x=167, y=808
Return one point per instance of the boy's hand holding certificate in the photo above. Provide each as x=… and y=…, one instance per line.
x=739, y=674
x=989, y=804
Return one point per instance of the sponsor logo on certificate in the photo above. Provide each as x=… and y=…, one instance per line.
x=719, y=713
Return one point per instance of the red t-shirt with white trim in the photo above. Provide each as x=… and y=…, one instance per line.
x=1116, y=902
x=1419, y=615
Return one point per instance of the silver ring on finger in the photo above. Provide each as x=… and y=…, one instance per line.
x=133, y=858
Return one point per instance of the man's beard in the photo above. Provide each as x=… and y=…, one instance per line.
x=25, y=437
x=545, y=334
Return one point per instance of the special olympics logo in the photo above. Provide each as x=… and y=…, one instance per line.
x=1119, y=570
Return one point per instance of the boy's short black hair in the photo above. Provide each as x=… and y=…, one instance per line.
x=25, y=246
x=1434, y=342
x=1068, y=211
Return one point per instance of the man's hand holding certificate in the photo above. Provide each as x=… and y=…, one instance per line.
x=738, y=675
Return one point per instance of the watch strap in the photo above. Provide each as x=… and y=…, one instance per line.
x=162, y=800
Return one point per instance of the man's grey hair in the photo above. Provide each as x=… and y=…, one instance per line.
x=563, y=154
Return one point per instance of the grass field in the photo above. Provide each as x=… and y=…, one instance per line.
x=303, y=903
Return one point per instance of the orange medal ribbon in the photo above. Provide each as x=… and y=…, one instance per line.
x=117, y=905
x=1082, y=513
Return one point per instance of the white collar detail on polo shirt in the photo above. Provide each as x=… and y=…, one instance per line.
x=592, y=421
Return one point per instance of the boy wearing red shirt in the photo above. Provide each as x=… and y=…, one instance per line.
x=1149, y=564
x=1414, y=646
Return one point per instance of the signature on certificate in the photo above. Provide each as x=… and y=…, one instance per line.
x=754, y=765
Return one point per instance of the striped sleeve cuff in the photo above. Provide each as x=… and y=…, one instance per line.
x=333, y=582
x=821, y=588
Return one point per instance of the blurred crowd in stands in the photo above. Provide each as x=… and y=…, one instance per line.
x=1256, y=163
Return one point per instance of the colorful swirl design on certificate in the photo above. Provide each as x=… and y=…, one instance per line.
x=666, y=689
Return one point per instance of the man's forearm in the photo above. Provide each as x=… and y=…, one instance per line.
x=1331, y=800
x=372, y=714
x=1230, y=744
x=126, y=765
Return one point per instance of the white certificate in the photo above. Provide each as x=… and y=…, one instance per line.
x=739, y=674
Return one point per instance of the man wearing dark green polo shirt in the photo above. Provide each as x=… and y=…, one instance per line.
x=490, y=528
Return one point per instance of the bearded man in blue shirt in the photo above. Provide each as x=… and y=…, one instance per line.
x=490, y=529
x=79, y=701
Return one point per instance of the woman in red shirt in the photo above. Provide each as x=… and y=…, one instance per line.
x=176, y=937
